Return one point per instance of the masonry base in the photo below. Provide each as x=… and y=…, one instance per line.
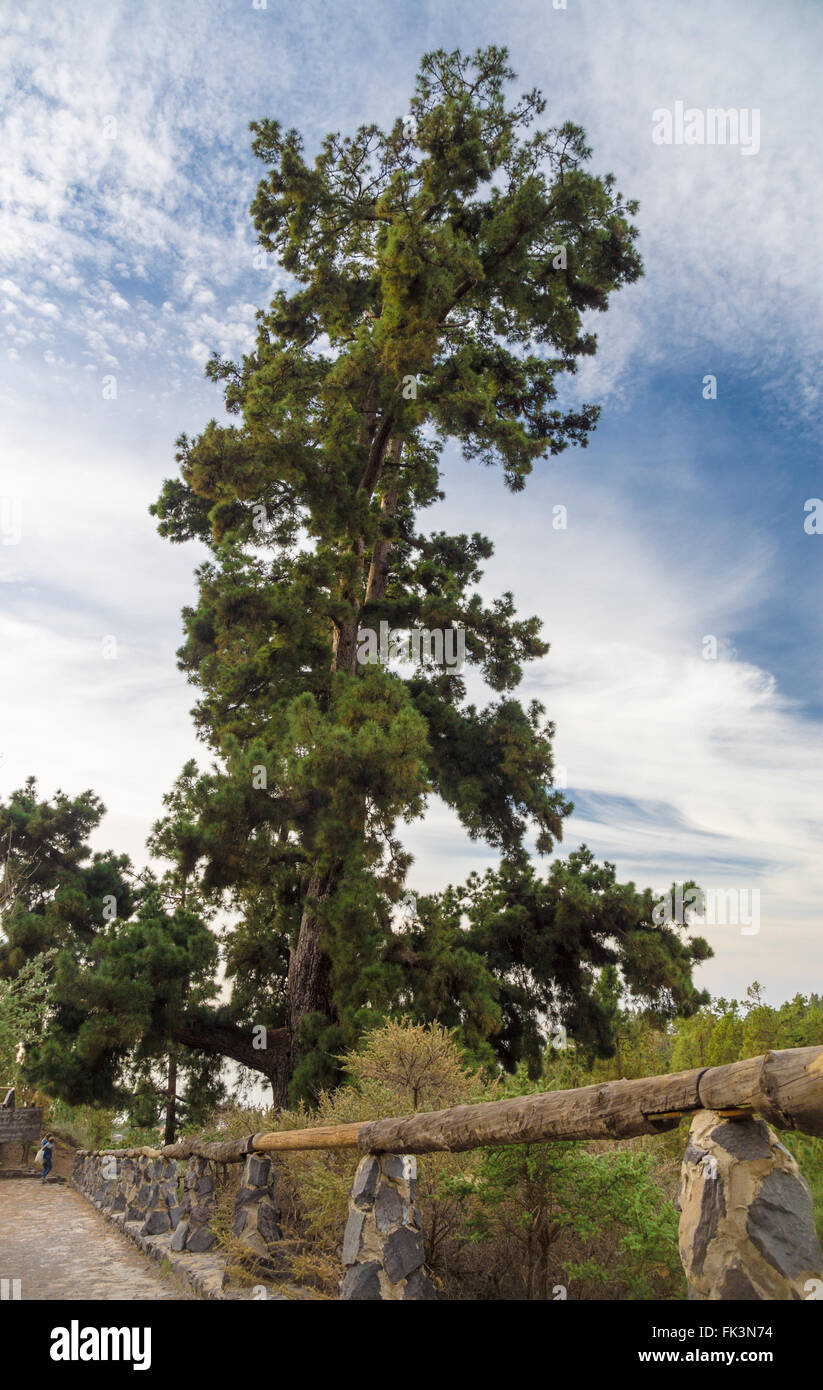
x=205, y=1273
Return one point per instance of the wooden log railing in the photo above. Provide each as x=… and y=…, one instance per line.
x=783, y=1088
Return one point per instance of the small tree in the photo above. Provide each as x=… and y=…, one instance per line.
x=106, y=972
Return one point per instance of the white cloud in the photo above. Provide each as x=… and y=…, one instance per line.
x=682, y=766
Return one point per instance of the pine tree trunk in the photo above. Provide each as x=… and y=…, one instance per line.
x=379, y=568
x=171, y=1104
x=309, y=984
x=309, y=967
x=345, y=646
x=280, y=1078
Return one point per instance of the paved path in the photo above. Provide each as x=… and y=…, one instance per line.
x=59, y=1247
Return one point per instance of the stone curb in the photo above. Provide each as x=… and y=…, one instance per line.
x=205, y=1273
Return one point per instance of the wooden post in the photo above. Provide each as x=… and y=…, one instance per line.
x=784, y=1087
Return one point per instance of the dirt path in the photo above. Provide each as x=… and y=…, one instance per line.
x=59, y=1247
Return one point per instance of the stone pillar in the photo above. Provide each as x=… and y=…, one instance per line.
x=746, y=1224
x=256, y=1211
x=194, y=1230
x=98, y=1187
x=163, y=1212
x=383, y=1244
x=105, y=1180
x=109, y=1177
x=125, y=1178
x=138, y=1189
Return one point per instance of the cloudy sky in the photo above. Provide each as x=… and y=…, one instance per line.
x=127, y=255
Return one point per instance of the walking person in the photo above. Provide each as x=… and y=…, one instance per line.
x=48, y=1151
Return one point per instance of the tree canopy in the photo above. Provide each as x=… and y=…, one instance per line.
x=441, y=277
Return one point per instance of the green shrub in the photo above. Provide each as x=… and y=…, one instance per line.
x=85, y=1126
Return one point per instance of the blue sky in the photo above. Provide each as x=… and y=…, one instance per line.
x=126, y=251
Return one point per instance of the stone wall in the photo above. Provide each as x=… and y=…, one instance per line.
x=139, y=1193
x=383, y=1246
x=143, y=1195
x=21, y=1125
x=194, y=1231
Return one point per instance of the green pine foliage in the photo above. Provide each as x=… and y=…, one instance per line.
x=53, y=890
x=429, y=301
x=510, y=949
x=102, y=967
x=438, y=279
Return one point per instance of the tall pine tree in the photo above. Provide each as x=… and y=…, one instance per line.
x=440, y=273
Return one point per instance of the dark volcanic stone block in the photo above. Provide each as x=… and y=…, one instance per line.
x=365, y=1182
x=246, y=1194
x=389, y=1207
x=267, y=1224
x=200, y=1240
x=257, y=1171
x=745, y=1139
x=395, y=1165
x=737, y=1284
x=156, y=1222
x=781, y=1225
x=402, y=1253
x=362, y=1283
x=178, y=1240
x=712, y=1211
x=419, y=1288
x=351, y=1239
